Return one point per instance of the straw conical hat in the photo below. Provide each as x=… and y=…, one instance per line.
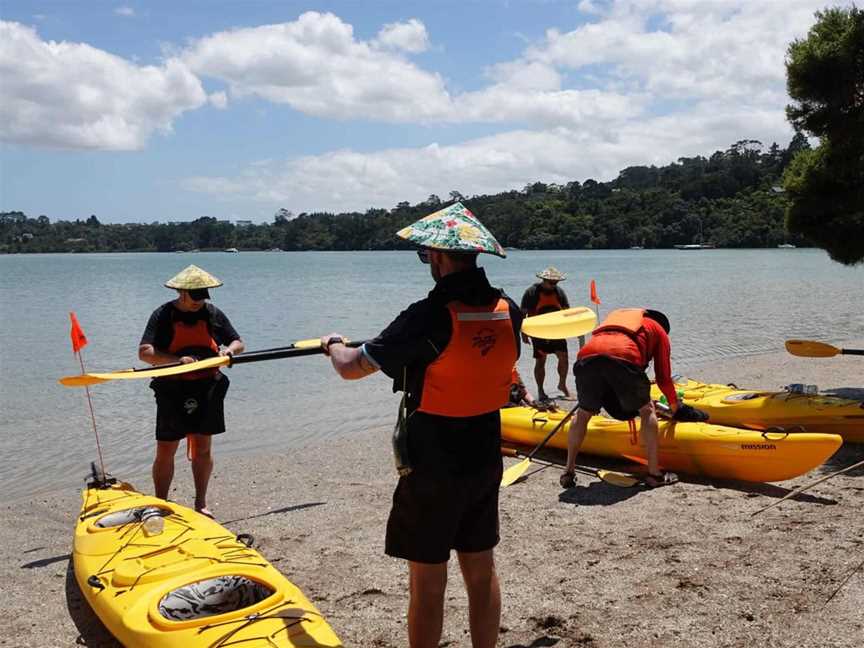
x=192, y=278
x=452, y=229
x=552, y=274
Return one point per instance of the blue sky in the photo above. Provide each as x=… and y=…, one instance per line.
x=167, y=111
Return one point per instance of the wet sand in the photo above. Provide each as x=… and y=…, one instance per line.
x=594, y=567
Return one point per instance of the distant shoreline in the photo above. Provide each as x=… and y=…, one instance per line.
x=397, y=249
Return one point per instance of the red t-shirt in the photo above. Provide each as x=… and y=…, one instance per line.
x=651, y=344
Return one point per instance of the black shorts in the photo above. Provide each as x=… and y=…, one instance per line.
x=618, y=387
x=450, y=499
x=189, y=407
x=542, y=347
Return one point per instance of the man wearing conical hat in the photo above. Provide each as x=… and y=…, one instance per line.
x=452, y=355
x=190, y=405
x=546, y=296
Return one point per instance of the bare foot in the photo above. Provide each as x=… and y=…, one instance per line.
x=203, y=510
x=566, y=392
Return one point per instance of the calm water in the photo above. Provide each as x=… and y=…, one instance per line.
x=721, y=303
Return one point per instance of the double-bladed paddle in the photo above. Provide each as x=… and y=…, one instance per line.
x=620, y=479
x=299, y=348
x=515, y=472
x=811, y=349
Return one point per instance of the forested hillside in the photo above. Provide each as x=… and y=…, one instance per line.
x=730, y=199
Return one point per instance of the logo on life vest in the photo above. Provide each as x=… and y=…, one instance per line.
x=190, y=405
x=484, y=340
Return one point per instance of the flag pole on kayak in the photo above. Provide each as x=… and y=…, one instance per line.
x=592, y=295
x=79, y=341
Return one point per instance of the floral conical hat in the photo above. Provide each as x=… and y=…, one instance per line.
x=192, y=278
x=452, y=229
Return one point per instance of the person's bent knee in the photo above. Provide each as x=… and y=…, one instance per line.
x=647, y=410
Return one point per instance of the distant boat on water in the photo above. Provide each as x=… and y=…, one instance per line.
x=695, y=246
x=636, y=247
x=232, y=250
x=786, y=246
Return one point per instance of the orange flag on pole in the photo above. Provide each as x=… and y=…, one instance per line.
x=79, y=340
x=594, y=297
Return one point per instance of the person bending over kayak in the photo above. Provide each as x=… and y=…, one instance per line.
x=452, y=354
x=610, y=374
x=540, y=298
x=189, y=405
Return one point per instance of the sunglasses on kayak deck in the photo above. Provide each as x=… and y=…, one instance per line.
x=423, y=255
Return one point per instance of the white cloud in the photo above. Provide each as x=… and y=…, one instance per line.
x=218, y=100
x=646, y=82
x=72, y=95
x=316, y=66
x=127, y=12
x=728, y=50
x=588, y=7
x=409, y=36
x=485, y=165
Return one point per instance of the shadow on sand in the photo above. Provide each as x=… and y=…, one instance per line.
x=853, y=393
x=91, y=632
x=847, y=455
x=540, y=642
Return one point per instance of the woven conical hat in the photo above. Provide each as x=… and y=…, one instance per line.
x=552, y=274
x=192, y=278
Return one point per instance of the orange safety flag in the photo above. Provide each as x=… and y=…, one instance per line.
x=594, y=297
x=79, y=340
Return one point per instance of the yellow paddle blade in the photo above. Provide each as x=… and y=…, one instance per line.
x=810, y=349
x=513, y=473
x=84, y=380
x=560, y=325
x=622, y=480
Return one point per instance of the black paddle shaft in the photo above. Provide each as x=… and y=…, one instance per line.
x=852, y=352
x=554, y=430
x=276, y=354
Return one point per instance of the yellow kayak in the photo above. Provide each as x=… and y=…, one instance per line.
x=695, y=448
x=762, y=410
x=160, y=575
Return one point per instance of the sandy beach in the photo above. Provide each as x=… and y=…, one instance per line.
x=595, y=566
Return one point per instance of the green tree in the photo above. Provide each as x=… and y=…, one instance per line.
x=825, y=79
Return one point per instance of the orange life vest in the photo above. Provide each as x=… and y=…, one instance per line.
x=626, y=320
x=622, y=320
x=191, y=336
x=473, y=373
x=547, y=303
